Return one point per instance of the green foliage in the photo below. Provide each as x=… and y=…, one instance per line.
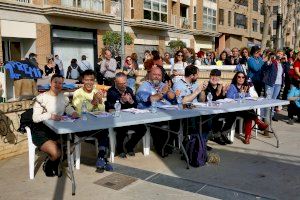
x=176, y=45
x=112, y=41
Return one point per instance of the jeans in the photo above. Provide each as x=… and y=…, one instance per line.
x=275, y=90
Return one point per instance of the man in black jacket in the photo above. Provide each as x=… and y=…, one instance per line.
x=120, y=91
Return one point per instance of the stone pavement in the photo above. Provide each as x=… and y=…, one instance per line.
x=255, y=171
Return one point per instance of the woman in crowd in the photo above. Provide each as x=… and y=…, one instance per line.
x=167, y=59
x=74, y=70
x=177, y=70
x=210, y=58
x=240, y=85
x=244, y=56
x=222, y=59
x=50, y=105
x=191, y=57
x=147, y=56
x=255, y=63
x=134, y=58
x=51, y=68
x=130, y=69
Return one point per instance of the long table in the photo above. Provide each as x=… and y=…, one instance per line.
x=129, y=119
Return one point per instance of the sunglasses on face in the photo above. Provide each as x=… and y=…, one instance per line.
x=243, y=77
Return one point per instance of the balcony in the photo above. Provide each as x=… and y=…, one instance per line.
x=89, y=5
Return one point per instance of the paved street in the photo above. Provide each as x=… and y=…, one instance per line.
x=255, y=171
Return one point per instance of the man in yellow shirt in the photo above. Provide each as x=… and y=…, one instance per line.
x=93, y=99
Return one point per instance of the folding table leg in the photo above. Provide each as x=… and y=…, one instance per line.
x=112, y=144
x=180, y=139
x=269, y=121
x=70, y=164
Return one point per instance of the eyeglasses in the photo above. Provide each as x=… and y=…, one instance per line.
x=180, y=55
x=243, y=77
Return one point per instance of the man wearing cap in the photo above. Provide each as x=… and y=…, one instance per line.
x=218, y=91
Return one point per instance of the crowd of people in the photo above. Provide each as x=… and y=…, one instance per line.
x=265, y=74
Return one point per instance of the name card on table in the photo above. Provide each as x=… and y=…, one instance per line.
x=22, y=70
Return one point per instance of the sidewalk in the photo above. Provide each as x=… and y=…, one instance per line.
x=255, y=171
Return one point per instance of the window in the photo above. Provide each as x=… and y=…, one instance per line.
x=254, y=25
x=274, y=24
x=229, y=18
x=221, y=16
x=195, y=18
x=261, y=27
x=215, y=1
x=240, y=21
x=255, y=5
x=261, y=9
x=275, y=9
x=209, y=19
x=132, y=9
x=242, y=2
x=155, y=10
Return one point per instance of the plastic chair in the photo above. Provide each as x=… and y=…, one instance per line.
x=112, y=141
x=78, y=149
x=232, y=131
x=31, y=153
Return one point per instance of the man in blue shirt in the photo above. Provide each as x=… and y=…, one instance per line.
x=294, y=98
x=154, y=90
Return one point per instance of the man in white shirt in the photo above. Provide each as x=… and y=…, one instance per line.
x=108, y=68
x=84, y=64
x=59, y=64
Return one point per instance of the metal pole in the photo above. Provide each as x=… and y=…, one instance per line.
x=279, y=27
x=122, y=34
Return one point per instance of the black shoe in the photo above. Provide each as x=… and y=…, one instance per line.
x=291, y=121
x=122, y=155
x=219, y=141
x=48, y=168
x=225, y=138
x=208, y=148
x=274, y=119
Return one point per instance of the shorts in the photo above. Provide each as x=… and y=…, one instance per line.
x=42, y=133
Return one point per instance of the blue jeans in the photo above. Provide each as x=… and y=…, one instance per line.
x=275, y=90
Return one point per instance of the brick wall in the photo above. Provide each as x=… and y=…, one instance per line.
x=138, y=9
x=37, y=2
x=162, y=45
x=54, y=2
x=43, y=43
x=99, y=42
x=12, y=143
x=107, y=6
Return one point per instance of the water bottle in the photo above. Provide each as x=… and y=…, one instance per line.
x=269, y=93
x=117, y=108
x=153, y=107
x=83, y=111
x=209, y=99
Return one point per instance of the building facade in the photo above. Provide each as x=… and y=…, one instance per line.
x=71, y=28
x=240, y=23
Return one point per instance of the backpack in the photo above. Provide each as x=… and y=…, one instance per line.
x=196, y=150
x=26, y=120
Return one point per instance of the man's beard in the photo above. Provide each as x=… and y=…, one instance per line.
x=156, y=82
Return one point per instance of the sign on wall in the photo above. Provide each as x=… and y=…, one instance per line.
x=22, y=70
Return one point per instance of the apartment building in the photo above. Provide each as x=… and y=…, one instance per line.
x=71, y=28
x=240, y=23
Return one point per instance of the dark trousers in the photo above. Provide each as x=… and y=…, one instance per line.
x=293, y=109
x=103, y=140
x=139, y=132
x=258, y=87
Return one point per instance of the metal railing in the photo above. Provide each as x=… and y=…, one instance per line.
x=90, y=5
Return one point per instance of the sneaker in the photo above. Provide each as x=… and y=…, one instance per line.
x=108, y=167
x=48, y=168
x=122, y=155
x=100, y=163
x=131, y=153
x=291, y=121
x=219, y=141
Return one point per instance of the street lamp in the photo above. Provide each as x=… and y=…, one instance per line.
x=122, y=34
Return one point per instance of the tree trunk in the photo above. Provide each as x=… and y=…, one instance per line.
x=297, y=29
x=266, y=24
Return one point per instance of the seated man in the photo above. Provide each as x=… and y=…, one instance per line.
x=120, y=91
x=93, y=99
x=154, y=90
x=218, y=91
x=294, y=98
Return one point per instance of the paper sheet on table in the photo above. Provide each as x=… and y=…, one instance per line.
x=135, y=110
x=226, y=100
x=252, y=98
x=100, y=114
x=67, y=119
x=169, y=107
x=199, y=104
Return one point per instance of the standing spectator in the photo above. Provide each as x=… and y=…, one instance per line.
x=210, y=59
x=130, y=69
x=108, y=68
x=294, y=98
x=84, y=64
x=294, y=73
x=167, y=59
x=222, y=59
x=190, y=56
x=201, y=57
x=74, y=70
x=134, y=58
x=245, y=56
x=125, y=96
x=147, y=56
x=99, y=76
x=234, y=59
x=51, y=68
x=156, y=58
x=177, y=70
x=59, y=64
x=255, y=63
x=32, y=59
